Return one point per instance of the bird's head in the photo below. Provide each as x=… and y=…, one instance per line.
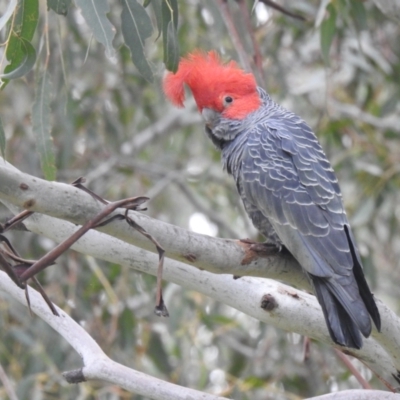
x=224, y=89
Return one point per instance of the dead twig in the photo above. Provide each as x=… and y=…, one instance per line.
x=257, y=53
x=27, y=269
x=160, y=308
x=234, y=34
x=15, y=220
x=283, y=10
x=345, y=360
x=7, y=251
x=131, y=203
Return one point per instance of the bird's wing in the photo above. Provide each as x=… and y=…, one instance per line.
x=287, y=177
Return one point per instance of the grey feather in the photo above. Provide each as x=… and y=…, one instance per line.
x=291, y=193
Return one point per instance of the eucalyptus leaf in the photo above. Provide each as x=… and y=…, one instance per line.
x=95, y=14
x=169, y=13
x=59, y=6
x=19, y=51
x=26, y=63
x=42, y=127
x=172, y=49
x=327, y=32
x=26, y=18
x=136, y=28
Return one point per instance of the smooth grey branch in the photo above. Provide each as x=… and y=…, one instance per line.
x=215, y=255
x=267, y=300
x=297, y=311
x=96, y=365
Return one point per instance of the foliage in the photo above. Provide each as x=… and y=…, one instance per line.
x=338, y=67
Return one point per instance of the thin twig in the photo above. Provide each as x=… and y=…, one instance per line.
x=52, y=255
x=44, y=295
x=15, y=220
x=257, y=53
x=14, y=271
x=283, y=10
x=96, y=222
x=345, y=360
x=233, y=33
x=160, y=309
x=78, y=183
x=5, y=265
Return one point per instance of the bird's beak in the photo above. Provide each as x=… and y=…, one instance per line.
x=211, y=117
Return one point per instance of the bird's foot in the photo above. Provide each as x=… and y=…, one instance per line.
x=264, y=249
x=255, y=250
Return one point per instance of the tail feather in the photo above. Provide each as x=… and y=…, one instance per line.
x=342, y=328
x=363, y=287
x=345, y=290
x=367, y=296
x=347, y=302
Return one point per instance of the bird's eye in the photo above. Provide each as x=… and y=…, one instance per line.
x=228, y=100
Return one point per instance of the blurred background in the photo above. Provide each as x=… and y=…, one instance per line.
x=336, y=63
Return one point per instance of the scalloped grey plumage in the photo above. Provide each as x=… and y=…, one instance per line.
x=291, y=193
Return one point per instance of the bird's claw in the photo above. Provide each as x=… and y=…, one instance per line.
x=264, y=249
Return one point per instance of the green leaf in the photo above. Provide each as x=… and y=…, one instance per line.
x=156, y=5
x=2, y=140
x=19, y=51
x=169, y=12
x=95, y=14
x=59, y=6
x=172, y=50
x=26, y=19
x=328, y=30
x=26, y=63
x=136, y=28
x=359, y=15
x=41, y=125
x=146, y=3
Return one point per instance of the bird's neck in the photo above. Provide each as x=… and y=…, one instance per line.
x=232, y=153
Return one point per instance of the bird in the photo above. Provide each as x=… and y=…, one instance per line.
x=287, y=185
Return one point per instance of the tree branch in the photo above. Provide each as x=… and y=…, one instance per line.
x=264, y=299
x=221, y=256
x=96, y=365
x=358, y=394
x=284, y=307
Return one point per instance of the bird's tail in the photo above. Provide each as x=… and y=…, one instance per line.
x=343, y=328
x=363, y=287
x=347, y=304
